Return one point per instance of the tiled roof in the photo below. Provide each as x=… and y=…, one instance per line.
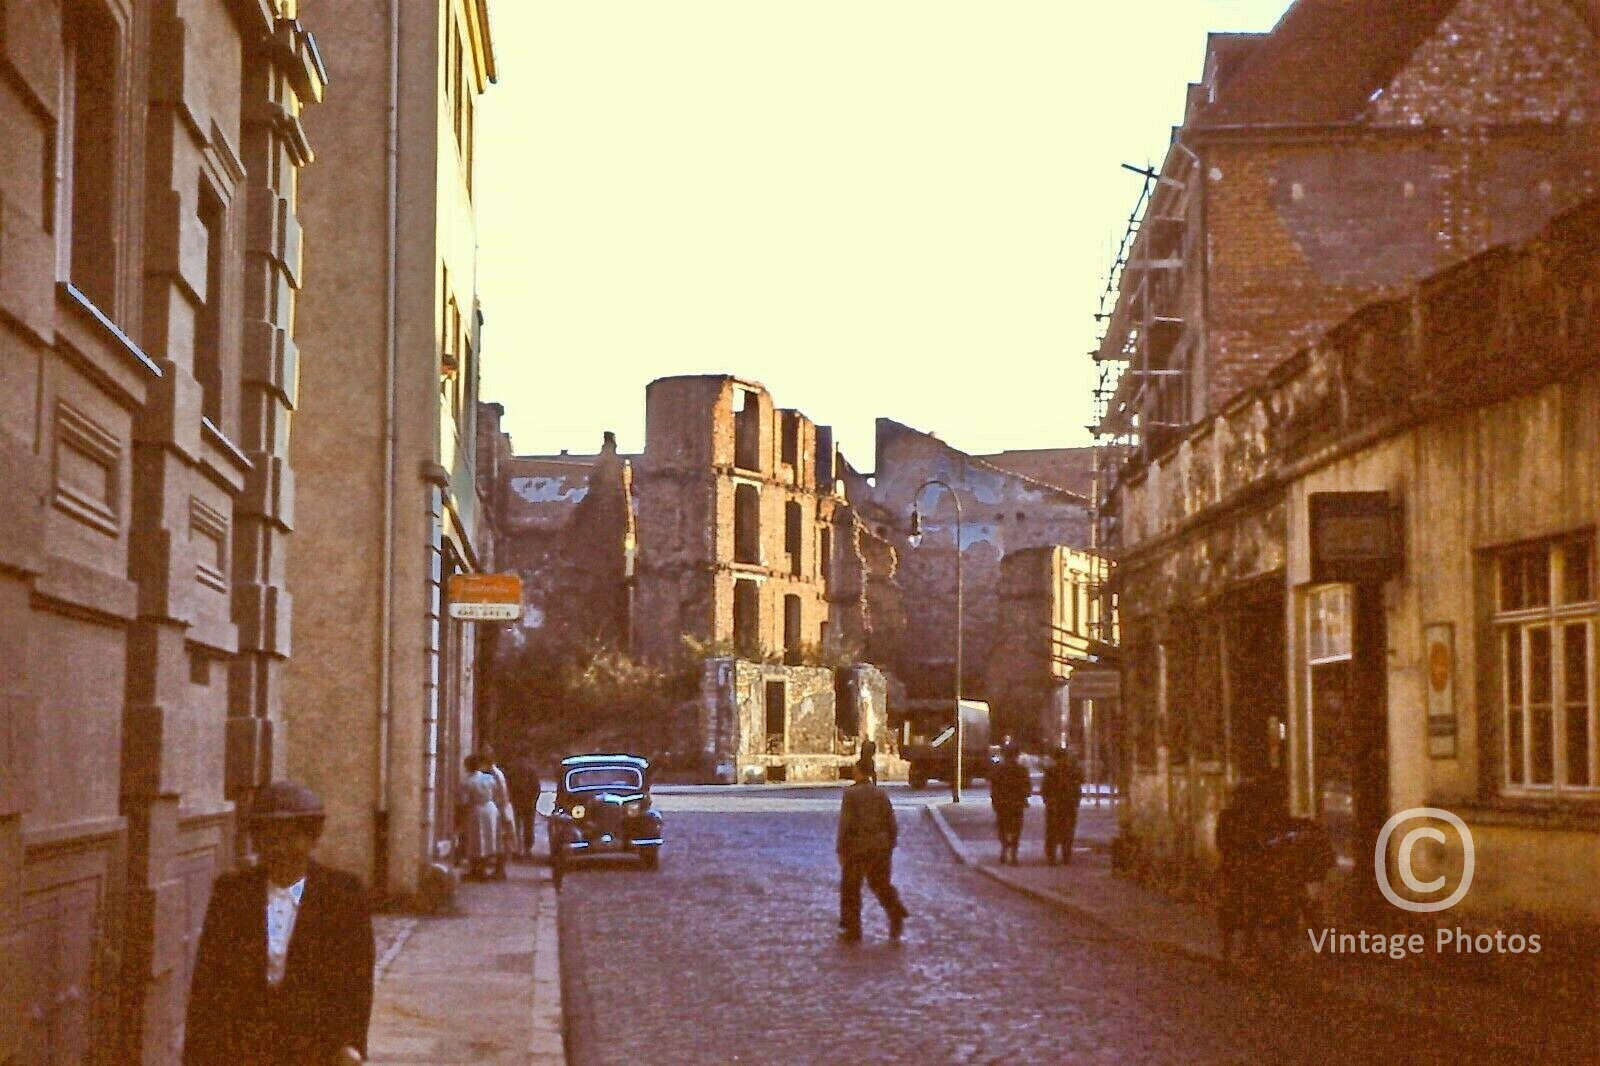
x=1322, y=61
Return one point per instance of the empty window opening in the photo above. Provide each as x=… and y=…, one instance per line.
x=825, y=556
x=792, y=535
x=746, y=524
x=88, y=147
x=746, y=430
x=208, y=319
x=825, y=460
x=776, y=717
x=747, y=618
x=791, y=438
x=846, y=711
x=791, y=629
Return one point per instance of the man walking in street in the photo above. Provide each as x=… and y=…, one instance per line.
x=1009, y=789
x=254, y=1000
x=1062, y=790
x=865, y=843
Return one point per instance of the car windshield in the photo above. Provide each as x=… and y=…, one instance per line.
x=591, y=777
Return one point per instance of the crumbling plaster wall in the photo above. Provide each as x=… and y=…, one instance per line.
x=733, y=720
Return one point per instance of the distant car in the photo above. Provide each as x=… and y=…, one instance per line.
x=603, y=807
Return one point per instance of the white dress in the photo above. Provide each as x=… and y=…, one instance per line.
x=481, y=831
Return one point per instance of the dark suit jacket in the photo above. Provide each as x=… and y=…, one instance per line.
x=325, y=999
x=1009, y=787
x=866, y=821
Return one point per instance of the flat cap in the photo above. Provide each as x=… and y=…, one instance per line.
x=284, y=800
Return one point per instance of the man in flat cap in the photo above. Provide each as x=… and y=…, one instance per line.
x=283, y=973
x=865, y=845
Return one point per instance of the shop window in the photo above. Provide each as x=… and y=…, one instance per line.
x=746, y=524
x=1328, y=630
x=1545, y=622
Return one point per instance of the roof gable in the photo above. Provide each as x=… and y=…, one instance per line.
x=1532, y=61
x=1323, y=61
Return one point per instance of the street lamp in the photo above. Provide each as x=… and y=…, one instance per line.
x=915, y=538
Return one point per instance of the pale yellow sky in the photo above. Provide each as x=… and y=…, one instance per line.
x=874, y=207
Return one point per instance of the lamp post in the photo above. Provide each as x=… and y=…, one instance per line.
x=915, y=537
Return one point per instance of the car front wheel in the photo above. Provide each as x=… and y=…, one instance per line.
x=650, y=857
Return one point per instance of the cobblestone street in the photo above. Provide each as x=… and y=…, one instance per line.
x=729, y=953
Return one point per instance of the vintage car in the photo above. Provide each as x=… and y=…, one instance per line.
x=602, y=807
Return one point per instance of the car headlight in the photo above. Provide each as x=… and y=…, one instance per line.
x=577, y=810
x=634, y=808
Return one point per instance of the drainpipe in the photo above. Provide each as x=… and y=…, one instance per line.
x=380, y=822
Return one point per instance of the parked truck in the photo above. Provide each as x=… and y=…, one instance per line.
x=928, y=740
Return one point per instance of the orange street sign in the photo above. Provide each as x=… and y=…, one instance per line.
x=486, y=597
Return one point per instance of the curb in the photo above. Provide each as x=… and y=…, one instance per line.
x=1044, y=895
x=1312, y=984
x=548, y=1045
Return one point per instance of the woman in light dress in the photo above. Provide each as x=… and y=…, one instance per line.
x=480, y=817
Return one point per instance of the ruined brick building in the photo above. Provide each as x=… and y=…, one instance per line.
x=1288, y=322
x=1001, y=512
x=566, y=523
x=150, y=258
x=728, y=538
x=739, y=514
x=740, y=528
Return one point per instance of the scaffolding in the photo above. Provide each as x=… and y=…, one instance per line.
x=1142, y=395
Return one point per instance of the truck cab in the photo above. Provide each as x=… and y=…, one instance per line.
x=928, y=740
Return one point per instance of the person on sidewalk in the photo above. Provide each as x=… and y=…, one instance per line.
x=525, y=789
x=479, y=817
x=507, y=833
x=1244, y=829
x=1009, y=789
x=865, y=844
x=254, y=1000
x=1062, y=791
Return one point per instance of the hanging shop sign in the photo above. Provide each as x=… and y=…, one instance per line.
x=1355, y=537
x=485, y=597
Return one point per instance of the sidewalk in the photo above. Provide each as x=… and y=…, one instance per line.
x=481, y=985
x=1496, y=1012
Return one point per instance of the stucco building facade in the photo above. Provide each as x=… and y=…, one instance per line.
x=150, y=259
x=381, y=688
x=1463, y=676
x=1322, y=173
